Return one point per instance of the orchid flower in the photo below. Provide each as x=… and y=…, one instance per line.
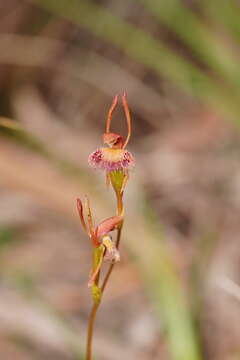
x=103, y=246
x=114, y=157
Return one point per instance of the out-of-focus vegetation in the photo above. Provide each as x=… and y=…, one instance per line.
x=61, y=62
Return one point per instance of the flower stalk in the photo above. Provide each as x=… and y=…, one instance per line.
x=116, y=161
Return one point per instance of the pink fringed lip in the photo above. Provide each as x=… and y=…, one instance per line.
x=111, y=159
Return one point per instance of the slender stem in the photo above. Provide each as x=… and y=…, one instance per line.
x=119, y=203
x=110, y=269
x=119, y=196
x=92, y=318
x=95, y=306
x=91, y=321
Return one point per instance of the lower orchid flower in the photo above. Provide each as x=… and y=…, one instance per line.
x=104, y=247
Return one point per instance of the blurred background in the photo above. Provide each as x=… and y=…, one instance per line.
x=175, y=294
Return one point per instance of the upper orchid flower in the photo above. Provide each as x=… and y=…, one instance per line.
x=114, y=157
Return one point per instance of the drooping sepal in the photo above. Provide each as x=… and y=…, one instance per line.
x=108, y=225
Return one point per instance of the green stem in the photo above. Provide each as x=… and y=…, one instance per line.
x=107, y=276
x=95, y=306
x=91, y=322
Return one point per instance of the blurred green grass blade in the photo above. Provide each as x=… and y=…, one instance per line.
x=11, y=129
x=226, y=13
x=157, y=269
x=207, y=45
x=167, y=289
x=7, y=236
x=143, y=48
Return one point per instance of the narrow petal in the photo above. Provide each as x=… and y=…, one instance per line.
x=109, y=118
x=89, y=216
x=80, y=211
x=128, y=118
x=91, y=230
x=108, y=225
